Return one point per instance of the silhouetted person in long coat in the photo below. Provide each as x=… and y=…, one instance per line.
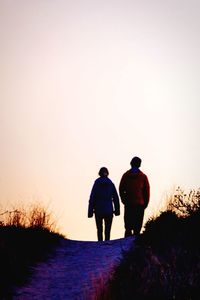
x=103, y=202
x=134, y=191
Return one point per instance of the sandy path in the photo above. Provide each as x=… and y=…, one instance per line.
x=77, y=270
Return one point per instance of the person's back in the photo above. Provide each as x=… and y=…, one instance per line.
x=103, y=202
x=134, y=188
x=134, y=192
x=102, y=193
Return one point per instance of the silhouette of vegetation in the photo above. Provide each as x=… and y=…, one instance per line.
x=26, y=237
x=165, y=260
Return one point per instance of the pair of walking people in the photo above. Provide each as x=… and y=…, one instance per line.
x=104, y=201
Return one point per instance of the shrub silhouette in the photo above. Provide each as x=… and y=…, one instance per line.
x=165, y=260
x=26, y=236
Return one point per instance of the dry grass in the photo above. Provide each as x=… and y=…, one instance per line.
x=26, y=237
x=184, y=204
x=34, y=215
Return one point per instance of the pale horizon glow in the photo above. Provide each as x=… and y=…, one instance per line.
x=86, y=84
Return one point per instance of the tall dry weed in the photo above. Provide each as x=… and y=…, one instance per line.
x=184, y=203
x=32, y=216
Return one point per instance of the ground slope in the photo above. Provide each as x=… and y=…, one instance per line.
x=77, y=270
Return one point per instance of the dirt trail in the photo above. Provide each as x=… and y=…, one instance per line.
x=77, y=271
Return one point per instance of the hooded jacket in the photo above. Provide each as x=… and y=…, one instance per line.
x=134, y=188
x=102, y=198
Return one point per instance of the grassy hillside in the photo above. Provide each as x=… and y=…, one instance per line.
x=165, y=262
x=26, y=237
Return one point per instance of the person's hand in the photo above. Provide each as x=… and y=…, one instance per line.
x=124, y=200
x=117, y=213
x=90, y=214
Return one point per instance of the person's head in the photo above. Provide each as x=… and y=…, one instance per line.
x=103, y=172
x=136, y=162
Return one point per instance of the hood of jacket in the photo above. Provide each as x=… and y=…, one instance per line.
x=103, y=180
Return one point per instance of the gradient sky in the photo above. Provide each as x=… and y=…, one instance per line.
x=86, y=84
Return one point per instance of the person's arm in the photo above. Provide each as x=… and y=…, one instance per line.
x=146, y=191
x=116, y=202
x=122, y=190
x=91, y=202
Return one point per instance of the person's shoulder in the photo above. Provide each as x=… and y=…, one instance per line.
x=127, y=173
x=97, y=180
x=142, y=174
x=109, y=181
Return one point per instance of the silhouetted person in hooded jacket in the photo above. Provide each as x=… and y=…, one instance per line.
x=103, y=202
x=134, y=191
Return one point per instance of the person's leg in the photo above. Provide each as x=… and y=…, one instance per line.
x=128, y=232
x=128, y=221
x=99, y=224
x=108, y=223
x=138, y=219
